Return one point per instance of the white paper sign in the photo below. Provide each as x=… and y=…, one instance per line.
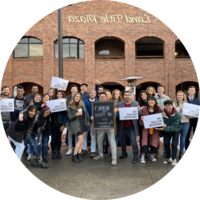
x=153, y=121
x=7, y=105
x=59, y=83
x=128, y=113
x=57, y=105
x=191, y=109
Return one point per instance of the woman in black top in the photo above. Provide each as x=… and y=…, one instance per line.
x=142, y=100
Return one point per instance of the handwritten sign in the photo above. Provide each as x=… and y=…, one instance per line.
x=153, y=121
x=7, y=105
x=104, y=116
x=59, y=83
x=128, y=113
x=191, y=109
x=57, y=105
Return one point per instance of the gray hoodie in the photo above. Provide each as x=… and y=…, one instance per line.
x=161, y=100
x=5, y=115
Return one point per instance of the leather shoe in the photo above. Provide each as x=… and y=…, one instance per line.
x=59, y=155
x=74, y=158
x=124, y=155
x=44, y=158
x=135, y=158
x=79, y=157
x=180, y=155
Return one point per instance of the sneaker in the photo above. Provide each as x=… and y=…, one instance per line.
x=114, y=161
x=83, y=152
x=29, y=157
x=92, y=155
x=98, y=157
x=152, y=158
x=168, y=161
x=69, y=152
x=142, y=159
x=174, y=162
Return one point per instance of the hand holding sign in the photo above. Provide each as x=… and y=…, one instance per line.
x=59, y=83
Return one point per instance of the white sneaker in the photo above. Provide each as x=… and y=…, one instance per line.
x=142, y=159
x=29, y=157
x=168, y=161
x=152, y=158
x=174, y=162
x=69, y=152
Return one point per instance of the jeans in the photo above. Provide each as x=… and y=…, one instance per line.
x=132, y=137
x=5, y=125
x=93, y=139
x=19, y=147
x=184, y=131
x=33, y=141
x=167, y=140
x=43, y=145
x=70, y=135
x=56, y=138
x=111, y=138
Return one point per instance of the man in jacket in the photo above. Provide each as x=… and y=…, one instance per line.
x=5, y=91
x=193, y=122
x=111, y=138
x=171, y=130
x=88, y=105
x=98, y=88
x=128, y=125
x=34, y=91
x=83, y=92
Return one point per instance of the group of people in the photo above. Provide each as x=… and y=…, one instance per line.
x=32, y=123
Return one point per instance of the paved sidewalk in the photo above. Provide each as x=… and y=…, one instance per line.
x=98, y=179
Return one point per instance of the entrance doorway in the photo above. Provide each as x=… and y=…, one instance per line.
x=144, y=86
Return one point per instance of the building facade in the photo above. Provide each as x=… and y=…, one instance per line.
x=102, y=40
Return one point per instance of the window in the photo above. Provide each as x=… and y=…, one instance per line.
x=104, y=52
x=149, y=47
x=28, y=47
x=73, y=48
x=180, y=50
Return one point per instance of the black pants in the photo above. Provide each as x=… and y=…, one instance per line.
x=145, y=149
x=193, y=124
x=56, y=138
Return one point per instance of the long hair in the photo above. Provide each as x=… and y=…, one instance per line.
x=176, y=102
x=139, y=98
x=120, y=95
x=106, y=90
x=44, y=96
x=72, y=102
x=156, y=106
x=54, y=93
x=26, y=113
x=154, y=91
x=63, y=94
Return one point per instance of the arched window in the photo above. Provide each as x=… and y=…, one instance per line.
x=28, y=47
x=181, y=51
x=149, y=47
x=73, y=48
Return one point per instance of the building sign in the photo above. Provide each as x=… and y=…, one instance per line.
x=109, y=19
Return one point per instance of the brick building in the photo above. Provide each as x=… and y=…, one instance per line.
x=102, y=40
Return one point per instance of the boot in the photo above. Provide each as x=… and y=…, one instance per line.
x=180, y=155
x=34, y=161
x=44, y=158
x=124, y=154
x=74, y=158
x=41, y=162
x=59, y=155
x=135, y=158
x=79, y=157
x=53, y=155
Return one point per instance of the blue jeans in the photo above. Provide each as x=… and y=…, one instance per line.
x=93, y=139
x=167, y=139
x=70, y=135
x=43, y=145
x=19, y=147
x=132, y=137
x=33, y=141
x=184, y=130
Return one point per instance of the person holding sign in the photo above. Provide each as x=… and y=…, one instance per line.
x=171, y=129
x=59, y=120
x=150, y=137
x=5, y=91
x=193, y=122
x=130, y=125
x=80, y=121
x=111, y=137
